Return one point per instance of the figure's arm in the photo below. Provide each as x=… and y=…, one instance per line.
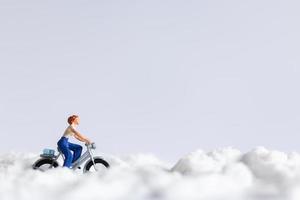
x=80, y=137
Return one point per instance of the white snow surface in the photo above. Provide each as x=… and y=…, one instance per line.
x=222, y=174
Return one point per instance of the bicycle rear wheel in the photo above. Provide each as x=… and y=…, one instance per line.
x=45, y=164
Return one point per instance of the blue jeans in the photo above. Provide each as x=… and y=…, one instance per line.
x=66, y=148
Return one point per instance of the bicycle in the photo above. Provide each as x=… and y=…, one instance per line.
x=49, y=160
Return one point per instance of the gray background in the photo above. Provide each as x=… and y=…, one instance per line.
x=165, y=77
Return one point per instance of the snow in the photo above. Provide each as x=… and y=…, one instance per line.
x=259, y=174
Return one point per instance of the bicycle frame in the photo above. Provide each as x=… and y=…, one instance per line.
x=84, y=157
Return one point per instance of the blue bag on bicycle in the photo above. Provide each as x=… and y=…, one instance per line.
x=48, y=153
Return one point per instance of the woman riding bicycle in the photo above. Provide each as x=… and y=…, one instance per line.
x=66, y=147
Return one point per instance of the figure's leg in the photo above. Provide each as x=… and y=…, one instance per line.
x=68, y=158
x=64, y=147
x=77, y=149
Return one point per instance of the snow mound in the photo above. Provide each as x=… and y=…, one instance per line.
x=260, y=174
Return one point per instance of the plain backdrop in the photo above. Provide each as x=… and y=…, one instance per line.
x=161, y=77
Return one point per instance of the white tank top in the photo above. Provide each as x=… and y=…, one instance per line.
x=68, y=132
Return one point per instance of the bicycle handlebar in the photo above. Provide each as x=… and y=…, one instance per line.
x=91, y=145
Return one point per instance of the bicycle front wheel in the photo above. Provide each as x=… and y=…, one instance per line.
x=100, y=165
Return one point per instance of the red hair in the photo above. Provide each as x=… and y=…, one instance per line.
x=72, y=118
